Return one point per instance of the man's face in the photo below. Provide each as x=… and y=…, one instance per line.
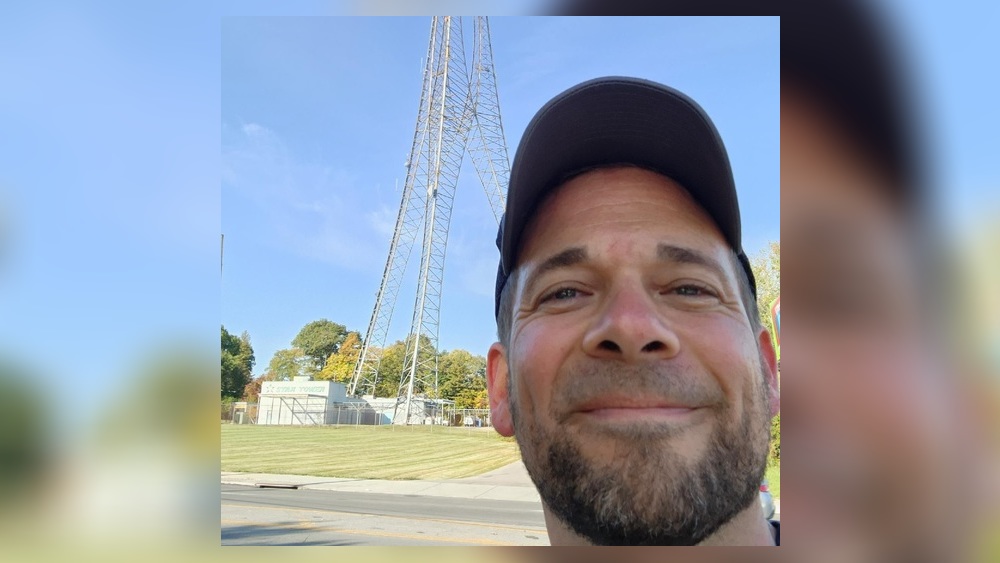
x=638, y=392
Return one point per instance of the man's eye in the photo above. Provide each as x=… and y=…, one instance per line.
x=561, y=294
x=691, y=290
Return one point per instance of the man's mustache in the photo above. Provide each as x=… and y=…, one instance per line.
x=604, y=384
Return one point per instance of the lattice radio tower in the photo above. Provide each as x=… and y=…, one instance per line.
x=459, y=112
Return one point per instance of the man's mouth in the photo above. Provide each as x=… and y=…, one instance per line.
x=634, y=410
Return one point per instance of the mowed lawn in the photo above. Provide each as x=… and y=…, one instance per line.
x=366, y=452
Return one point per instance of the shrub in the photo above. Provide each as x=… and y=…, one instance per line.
x=774, y=455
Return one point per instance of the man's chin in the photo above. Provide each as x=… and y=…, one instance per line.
x=628, y=483
x=615, y=494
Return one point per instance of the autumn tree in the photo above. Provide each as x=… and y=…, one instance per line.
x=766, y=267
x=339, y=365
x=318, y=340
x=461, y=378
x=391, y=367
x=237, y=363
x=251, y=392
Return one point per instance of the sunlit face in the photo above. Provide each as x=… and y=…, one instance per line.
x=639, y=393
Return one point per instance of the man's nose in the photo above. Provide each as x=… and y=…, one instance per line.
x=629, y=327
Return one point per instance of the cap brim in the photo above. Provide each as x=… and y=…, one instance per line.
x=620, y=120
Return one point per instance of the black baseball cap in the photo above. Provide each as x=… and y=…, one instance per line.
x=619, y=120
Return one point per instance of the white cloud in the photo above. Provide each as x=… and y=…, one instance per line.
x=312, y=209
x=255, y=130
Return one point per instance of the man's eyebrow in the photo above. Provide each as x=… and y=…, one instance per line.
x=566, y=258
x=682, y=255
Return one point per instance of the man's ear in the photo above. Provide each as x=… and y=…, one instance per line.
x=770, y=366
x=496, y=384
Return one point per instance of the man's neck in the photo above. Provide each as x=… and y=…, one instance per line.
x=748, y=528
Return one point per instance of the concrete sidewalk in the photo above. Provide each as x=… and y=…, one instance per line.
x=510, y=482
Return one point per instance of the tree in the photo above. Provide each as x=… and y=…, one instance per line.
x=391, y=367
x=251, y=393
x=389, y=370
x=472, y=399
x=340, y=365
x=318, y=340
x=774, y=455
x=461, y=376
x=766, y=267
x=237, y=363
x=286, y=364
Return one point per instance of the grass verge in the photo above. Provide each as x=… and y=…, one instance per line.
x=366, y=452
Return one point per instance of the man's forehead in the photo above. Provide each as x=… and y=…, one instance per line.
x=623, y=196
x=618, y=174
x=712, y=258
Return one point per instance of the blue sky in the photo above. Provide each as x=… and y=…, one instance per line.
x=318, y=117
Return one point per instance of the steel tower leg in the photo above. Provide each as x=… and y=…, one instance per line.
x=454, y=104
x=488, y=148
x=407, y=223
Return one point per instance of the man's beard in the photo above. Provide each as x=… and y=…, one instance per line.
x=647, y=493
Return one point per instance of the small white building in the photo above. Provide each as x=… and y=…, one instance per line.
x=307, y=402
x=301, y=401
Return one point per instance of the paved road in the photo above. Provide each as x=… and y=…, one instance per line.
x=501, y=507
x=266, y=516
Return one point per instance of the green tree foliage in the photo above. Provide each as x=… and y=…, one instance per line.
x=462, y=378
x=318, y=340
x=471, y=399
x=286, y=365
x=774, y=456
x=391, y=368
x=340, y=365
x=237, y=363
x=766, y=268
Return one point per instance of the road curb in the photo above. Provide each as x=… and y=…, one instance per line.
x=447, y=488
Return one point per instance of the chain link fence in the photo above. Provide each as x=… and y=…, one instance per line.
x=294, y=411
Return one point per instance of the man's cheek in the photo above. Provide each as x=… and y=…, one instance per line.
x=537, y=354
x=731, y=366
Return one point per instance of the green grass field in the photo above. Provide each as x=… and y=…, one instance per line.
x=366, y=452
x=376, y=452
